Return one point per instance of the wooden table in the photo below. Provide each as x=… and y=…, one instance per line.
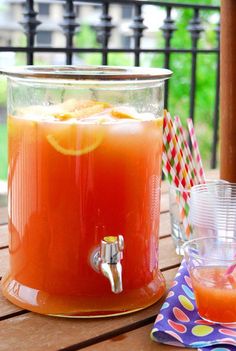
x=21, y=330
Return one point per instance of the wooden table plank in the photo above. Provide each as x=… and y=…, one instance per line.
x=3, y=235
x=3, y=261
x=167, y=255
x=49, y=333
x=165, y=228
x=3, y=199
x=165, y=202
x=3, y=215
x=6, y=308
x=138, y=339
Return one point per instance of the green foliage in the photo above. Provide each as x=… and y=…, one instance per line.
x=86, y=38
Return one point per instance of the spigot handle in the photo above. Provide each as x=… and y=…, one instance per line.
x=111, y=249
x=107, y=260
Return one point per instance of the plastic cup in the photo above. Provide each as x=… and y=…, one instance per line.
x=209, y=261
x=213, y=209
x=199, y=214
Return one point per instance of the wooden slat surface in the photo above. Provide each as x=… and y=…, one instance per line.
x=6, y=308
x=3, y=261
x=165, y=202
x=164, y=224
x=3, y=235
x=139, y=337
x=3, y=215
x=3, y=198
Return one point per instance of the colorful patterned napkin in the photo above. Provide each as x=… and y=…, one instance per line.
x=179, y=324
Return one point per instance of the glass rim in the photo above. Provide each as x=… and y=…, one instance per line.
x=226, y=239
x=223, y=205
x=211, y=226
x=207, y=181
x=88, y=72
x=209, y=185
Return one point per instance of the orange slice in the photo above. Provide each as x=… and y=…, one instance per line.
x=159, y=122
x=83, y=110
x=11, y=125
x=75, y=152
x=120, y=113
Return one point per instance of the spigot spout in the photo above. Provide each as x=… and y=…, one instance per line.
x=114, y=274
x=107, y=261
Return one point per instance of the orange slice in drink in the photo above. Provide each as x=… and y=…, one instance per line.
x=55, y=143
x=123, y=113
x=82, y=110
x=159, y=122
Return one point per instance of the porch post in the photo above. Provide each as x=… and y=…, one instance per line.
x=228, y=91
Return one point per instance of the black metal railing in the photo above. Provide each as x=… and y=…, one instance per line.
x=70, y=25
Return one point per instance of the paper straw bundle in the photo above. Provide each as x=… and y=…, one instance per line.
x=181, y=168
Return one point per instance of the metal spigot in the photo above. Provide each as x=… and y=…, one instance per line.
x=107, y=260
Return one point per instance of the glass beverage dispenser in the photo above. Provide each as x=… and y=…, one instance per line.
x=85, y=147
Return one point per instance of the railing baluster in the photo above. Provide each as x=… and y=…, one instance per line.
x=168, y=29
x=69, y=25
x=195, y=28
x=138, y=28
x=104, y=31
x=216, y=107
x=30, y=24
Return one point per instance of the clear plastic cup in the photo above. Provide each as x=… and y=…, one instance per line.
x=211, y=265
x=213, y=209
x=199, y=214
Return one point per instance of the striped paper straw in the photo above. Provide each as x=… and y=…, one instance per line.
x=173, y=150
x=183, y=201
x=170, y=172
x=196, y=150
x=188, y=159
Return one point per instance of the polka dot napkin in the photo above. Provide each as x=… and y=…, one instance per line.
x=179, y=324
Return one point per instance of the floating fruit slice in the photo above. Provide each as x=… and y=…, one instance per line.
x=83, y=110
x=75, y=152
x=122, y=113
x=12, y=129
x=159, y=122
